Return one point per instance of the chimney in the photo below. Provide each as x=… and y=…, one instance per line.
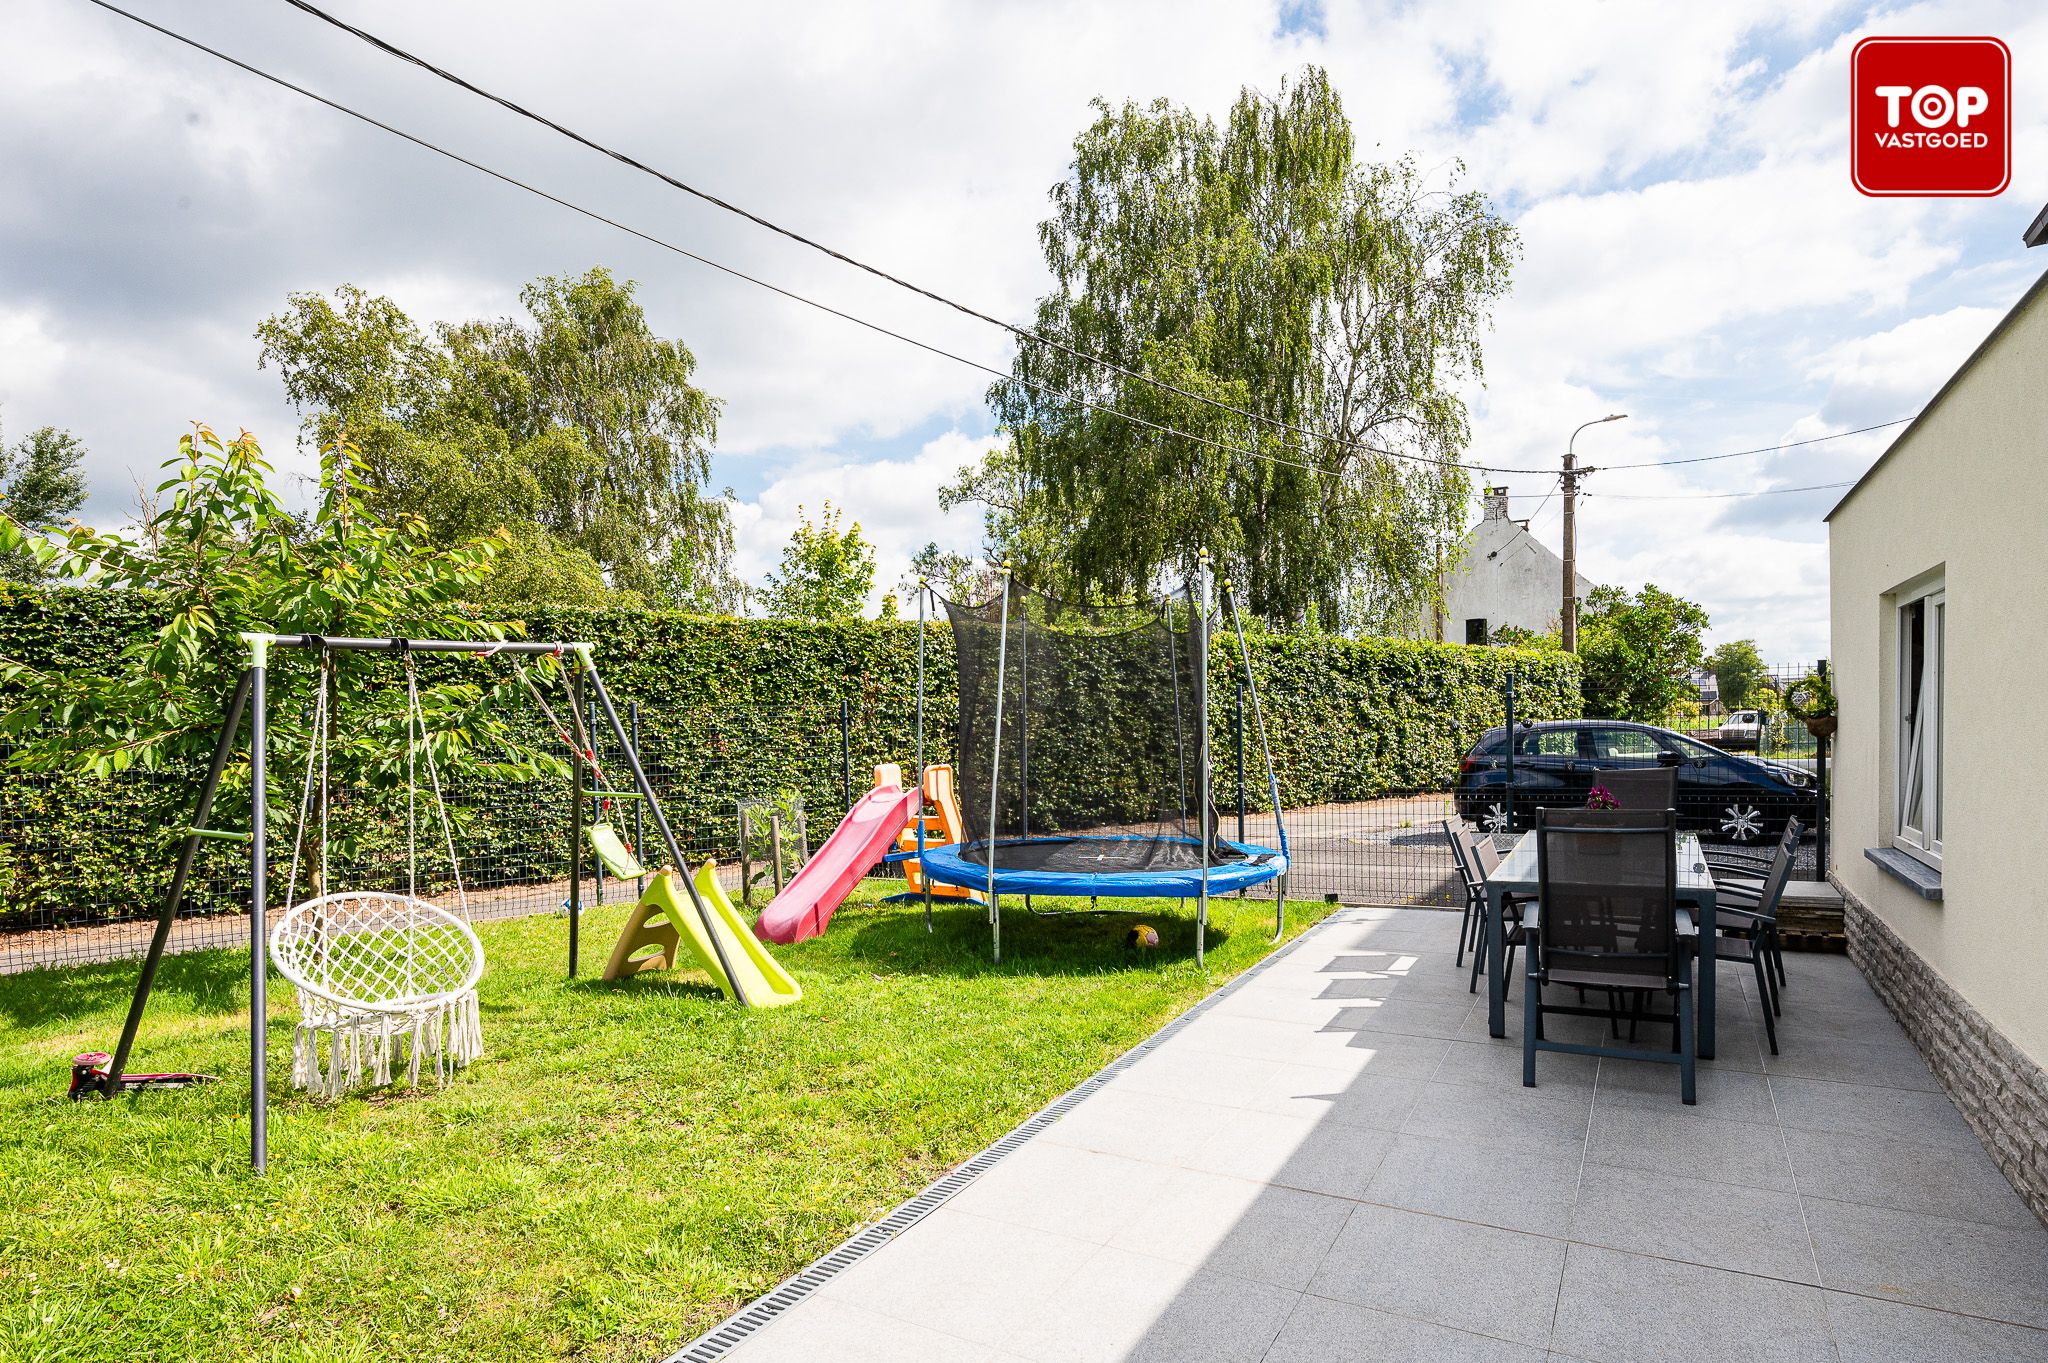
x=1496, y=504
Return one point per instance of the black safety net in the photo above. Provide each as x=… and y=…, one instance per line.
x=1097, y=761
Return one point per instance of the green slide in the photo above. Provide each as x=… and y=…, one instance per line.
x=766, y=983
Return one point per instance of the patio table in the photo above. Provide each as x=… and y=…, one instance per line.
x=1516, y=875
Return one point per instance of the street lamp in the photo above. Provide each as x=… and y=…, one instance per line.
x=1569, y=619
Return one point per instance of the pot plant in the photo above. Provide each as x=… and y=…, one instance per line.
x=1812, y=699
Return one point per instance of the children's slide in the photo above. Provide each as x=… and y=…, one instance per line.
x=666, y=921
x=863, y=837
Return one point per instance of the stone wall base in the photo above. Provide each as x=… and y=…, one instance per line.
x=2002, y=1093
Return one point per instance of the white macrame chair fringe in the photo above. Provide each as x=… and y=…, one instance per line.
x=380, y=977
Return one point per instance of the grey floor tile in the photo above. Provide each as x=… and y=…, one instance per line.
x=1226, y=1225
x=1324, y=1331
x=962, y=1275
x=1499, y=1063
x=1941, y=1180
x=1681, y=1142
x=2000, y=1272
x=1406, y=1017
x=1868, y=1331
x=1346, y=987
x=1178, y=1072
x=1370, y=1099
x=1864, y=1110
x=1070, y=1191
x=1299, y=1043
x=1724, y=1094
x=1146, y=1126
x=1390, y=1053
x=1889, y=1061
x=1294, y=1152
x=1537, y=1118
x=825, y=1328
x=1495, y=1184
x=1121, y=1307
x=1719, y=1225
x=1629, y=1308
x=1473, y=1278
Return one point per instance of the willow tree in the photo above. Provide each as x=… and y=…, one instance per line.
x=1317, y=316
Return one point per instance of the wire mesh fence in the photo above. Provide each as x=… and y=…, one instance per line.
x=84, y=864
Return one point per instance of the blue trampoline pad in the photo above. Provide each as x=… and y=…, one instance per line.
x=1061, y=866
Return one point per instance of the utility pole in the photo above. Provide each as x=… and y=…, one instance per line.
x=1568, y=617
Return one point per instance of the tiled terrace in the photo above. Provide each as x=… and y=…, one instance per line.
x=1335, y=1162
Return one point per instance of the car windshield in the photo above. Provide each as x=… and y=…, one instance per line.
x=1690, y=748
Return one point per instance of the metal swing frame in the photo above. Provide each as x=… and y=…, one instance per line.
x=250, y=700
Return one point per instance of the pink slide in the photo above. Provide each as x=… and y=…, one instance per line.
x=864, y=837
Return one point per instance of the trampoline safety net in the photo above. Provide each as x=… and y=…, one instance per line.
x=1098, y=754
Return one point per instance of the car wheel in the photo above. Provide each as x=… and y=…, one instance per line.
x=1495, y=819
x=1742, y=823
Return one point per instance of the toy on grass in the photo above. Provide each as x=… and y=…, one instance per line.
x=89, y=1079
x=1141, y=936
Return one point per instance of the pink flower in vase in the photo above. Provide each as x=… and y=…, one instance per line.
x=1600, y=797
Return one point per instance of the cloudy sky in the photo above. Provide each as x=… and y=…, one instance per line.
x=1694, y=252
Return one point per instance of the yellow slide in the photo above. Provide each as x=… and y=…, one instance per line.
x=666, y=919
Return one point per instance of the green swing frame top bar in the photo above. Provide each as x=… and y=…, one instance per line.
x=250, y=698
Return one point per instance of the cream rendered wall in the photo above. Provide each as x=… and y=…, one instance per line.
x=1963, y=492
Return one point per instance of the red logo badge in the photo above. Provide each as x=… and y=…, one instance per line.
x=1931, y=116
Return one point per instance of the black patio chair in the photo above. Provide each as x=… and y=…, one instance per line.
x=1607, y=919
x=1458, y=833
x=1642, y=789
x=1483, y=856
x=1740, y=877
x=1746, y=929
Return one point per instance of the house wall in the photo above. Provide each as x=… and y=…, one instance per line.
x=1963, y=493
x=1506, y=577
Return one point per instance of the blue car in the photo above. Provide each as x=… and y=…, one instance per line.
x=1722, y=796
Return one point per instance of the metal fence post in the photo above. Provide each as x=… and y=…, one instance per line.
x=1510, y=799
x=1820, y=794
x=846, y=753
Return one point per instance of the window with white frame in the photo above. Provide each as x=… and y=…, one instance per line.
x=1921, y=620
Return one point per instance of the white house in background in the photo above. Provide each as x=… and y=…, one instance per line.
x=1506, y=577
x=1938, y=563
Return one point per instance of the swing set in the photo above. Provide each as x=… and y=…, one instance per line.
x=378, y=973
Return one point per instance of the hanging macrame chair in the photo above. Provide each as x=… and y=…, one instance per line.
x=379, y=976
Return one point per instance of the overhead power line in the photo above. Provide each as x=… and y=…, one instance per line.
x=1086, y=404
x=1021, y=333
x=1738, y=454
x=1714, y=496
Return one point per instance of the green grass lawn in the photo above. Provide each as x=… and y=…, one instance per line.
x=626, y=1165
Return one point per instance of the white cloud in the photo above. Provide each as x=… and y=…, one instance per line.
x=1694, y=252
x=892, y=499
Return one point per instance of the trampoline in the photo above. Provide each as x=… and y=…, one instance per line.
x=1105, y=867
x=1084, y=755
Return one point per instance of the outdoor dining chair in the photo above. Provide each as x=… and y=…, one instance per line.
x=1640, y=788
x=1739, y=879
x=1482, y=856
x=1459, y=834
x=1747, y=930
x=1607, y=919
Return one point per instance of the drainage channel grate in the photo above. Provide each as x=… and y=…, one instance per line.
x=722, y=1339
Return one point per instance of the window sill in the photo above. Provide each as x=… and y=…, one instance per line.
x=1917, y=875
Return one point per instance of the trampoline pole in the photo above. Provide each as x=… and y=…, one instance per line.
x=995, y=910
x=1202, y=786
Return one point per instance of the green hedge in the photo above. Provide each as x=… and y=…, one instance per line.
x=743, y=709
